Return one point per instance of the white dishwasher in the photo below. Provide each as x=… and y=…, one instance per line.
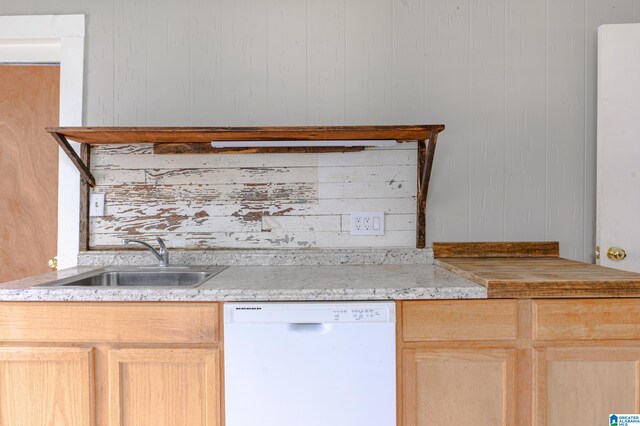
x=310, y=364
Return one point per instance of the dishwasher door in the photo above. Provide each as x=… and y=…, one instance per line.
x=310, y=364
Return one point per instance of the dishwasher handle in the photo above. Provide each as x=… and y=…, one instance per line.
x=309, y=327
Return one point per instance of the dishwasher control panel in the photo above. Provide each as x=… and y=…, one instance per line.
x=317, y=312
x=360, y=314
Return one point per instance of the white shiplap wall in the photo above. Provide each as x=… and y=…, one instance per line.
x=513, y=80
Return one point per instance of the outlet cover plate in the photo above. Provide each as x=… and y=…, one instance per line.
x=96, y=205
x=367, y=223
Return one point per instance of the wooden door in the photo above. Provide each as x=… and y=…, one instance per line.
x=29, y=102
x=618, y=197
x=46, y=386
x=582, y=386
x=164, y=387
x=459, y=387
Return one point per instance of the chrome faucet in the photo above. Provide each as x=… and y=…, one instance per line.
x=162, y=255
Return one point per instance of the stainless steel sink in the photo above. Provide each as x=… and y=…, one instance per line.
x=165, y=277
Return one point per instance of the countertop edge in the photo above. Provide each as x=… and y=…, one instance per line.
x=451, y=287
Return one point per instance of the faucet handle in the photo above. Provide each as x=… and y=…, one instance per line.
x=163, y=247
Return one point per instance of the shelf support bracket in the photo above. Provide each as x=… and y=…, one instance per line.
x=85, y=174
x=426, y=153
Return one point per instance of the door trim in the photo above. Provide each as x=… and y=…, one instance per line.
x=37, y=33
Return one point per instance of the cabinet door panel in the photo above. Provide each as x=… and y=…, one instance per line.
x=584, y=385
x=164, y=387
x=459, y=387
x=46, y=386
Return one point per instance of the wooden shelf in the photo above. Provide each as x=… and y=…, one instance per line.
x=196, y=140
x=130, y=135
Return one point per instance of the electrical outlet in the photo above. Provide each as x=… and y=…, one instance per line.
x=96, y=205
x=367, y=223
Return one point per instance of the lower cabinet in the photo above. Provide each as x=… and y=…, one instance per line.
x=46, y=386
x=548, y=362
x=110, y=364
x=164, y=387
x=583, y=385
x=458, y=363
x=481, y=362
x=459, y=387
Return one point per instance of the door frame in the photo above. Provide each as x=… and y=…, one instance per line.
x=39, y=39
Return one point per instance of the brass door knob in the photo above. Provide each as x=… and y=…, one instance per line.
x=53, y=263
x=616, y=253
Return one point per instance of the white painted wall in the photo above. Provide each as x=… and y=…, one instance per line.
x=513, y=80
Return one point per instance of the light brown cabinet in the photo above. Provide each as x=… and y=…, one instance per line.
x=583, y=385
x=586, y=360
x=483, y=362
x=459, y=386
x=518, y=362
x=46, y=386
x=115, y=364
x=164, y=387
x=458, y=362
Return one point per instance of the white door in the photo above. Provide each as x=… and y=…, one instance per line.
x=618, y=197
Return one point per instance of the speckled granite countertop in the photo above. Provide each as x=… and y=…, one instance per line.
x=377, y=280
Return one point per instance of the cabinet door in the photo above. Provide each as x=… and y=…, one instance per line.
x=157, y=387
x=582, y=386
x=465, y=387
x=46, y=386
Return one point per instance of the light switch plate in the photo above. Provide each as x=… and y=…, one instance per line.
x=96, y=205
x=367, y=223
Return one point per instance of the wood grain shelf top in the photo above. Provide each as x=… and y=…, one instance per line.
x=542, y=277
x=129, y=135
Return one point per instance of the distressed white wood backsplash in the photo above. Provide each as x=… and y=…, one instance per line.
x=279, y=200
x=514, y=81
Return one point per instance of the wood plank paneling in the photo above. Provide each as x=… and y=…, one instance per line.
x=326, y=62
x=179, y=199
x=525, y=121
x=130, y=65
x=168, y=49
x=287, y=62
x=514, y=81
x=245, y=51
x=408, y=61
x=565, y=186
x=369, y=59
x=447, y=56
x=99, y=65
x=487, y=97
x=206, y=63
x=266, y=208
